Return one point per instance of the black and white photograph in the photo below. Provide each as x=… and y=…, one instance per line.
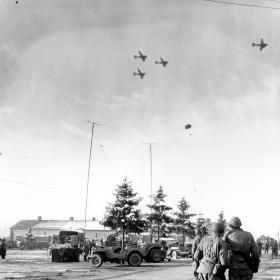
x=139, y=139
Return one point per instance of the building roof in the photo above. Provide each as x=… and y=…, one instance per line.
x=58, y=225
x=24, y=224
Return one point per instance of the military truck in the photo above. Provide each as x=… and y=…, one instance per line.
x=67, y=246
x=133, y=255
x=179, y=250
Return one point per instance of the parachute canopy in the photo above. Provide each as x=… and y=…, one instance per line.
x=188, y=126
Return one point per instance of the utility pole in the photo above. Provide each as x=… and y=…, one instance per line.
x=278, y=235
x=93, y=124
x=150, y=144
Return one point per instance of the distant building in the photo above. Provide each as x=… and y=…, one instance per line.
x=42, y=227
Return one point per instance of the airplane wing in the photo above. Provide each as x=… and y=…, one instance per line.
x=262, y=42
x=140, y=53
x=161, y=59
x=139, y=71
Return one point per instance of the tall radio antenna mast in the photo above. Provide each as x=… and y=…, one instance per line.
x=93, y=124
x=150, y=145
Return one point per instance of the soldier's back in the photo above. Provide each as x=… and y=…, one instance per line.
x=209, y=248
x=241, y=245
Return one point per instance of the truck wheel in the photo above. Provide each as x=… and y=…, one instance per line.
x=54, y=256
x=96, y=260
x=155, y=255
x=134, y=259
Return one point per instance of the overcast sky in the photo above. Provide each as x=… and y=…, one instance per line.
x=65, y=62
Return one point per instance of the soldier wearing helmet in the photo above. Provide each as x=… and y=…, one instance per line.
x=196, y=241
x=211, y=257
x=243, y=252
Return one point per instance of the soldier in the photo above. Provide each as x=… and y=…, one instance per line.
x=1, y=251
x=243, y=252
x=266, y=247
x=4, y=247
x=211, y=256
x=274, y=249
x=259, y=243
x=196, y=241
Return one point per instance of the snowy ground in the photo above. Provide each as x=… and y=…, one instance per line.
x=37, y=265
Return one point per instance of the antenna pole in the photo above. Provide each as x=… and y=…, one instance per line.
x=150, y=144
x=278, y=235
x=88, y=173
x=151, y=171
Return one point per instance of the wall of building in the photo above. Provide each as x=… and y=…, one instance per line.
x=94, y=234
x=17, y=233
x=90, y=234
x=45, y=232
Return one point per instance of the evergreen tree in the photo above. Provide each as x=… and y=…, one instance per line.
x=183, y=224
x=124, y=214
x=159, y=211
x=202, y=225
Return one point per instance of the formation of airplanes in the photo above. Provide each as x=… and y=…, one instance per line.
x=143, y=57
x=163, y=62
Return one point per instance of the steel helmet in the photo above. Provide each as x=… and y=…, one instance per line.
x=235, y=222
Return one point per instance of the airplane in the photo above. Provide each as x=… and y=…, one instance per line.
x=262, y=45
x=140, y=74
x=162, y=61
x=141, y=56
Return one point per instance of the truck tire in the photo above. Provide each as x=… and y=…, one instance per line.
x=155, y=255
x=55, y=256
x=134, y=259
x=96, y=260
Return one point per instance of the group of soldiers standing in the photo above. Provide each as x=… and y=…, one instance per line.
x=269, y=244
x=235, y=250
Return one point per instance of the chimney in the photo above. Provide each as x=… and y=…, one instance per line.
x=39, y=218
x=71, y=219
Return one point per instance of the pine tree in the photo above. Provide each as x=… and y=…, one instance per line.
x=202, y=225
x=183, y=224
x=159, y=211
x=123, y=215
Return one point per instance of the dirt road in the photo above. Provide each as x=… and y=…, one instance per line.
x=270, y=270
x=36, y=265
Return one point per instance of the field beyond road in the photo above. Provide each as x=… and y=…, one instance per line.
x=37, y=265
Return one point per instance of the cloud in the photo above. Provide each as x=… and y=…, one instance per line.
x=7, y=113
x=69, y=127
